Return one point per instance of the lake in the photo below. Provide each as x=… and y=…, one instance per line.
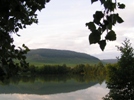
x=52, y=89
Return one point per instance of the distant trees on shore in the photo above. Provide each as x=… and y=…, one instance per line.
x=63, y=69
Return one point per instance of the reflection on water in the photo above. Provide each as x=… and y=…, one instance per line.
x=95, y=92
x=48, y=88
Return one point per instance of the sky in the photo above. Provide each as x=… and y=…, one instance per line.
x=62, y=26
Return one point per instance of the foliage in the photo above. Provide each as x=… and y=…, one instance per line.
x=121, y=78
x=15, y=15
x=80, y=72
x=80, y=69
x=103, y=22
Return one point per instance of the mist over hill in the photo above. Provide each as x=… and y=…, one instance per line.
x=53, y=56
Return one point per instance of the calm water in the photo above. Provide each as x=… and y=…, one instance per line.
x=39, y=89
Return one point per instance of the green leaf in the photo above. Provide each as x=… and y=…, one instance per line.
x=102, y=44
x=109, y=26
x=19, y=25
x=102, y=1
x=113, y=18
x=16, y=30
x=94, y=37
x=27, y=49
x=91, y=26
x=92, y=1
x=17, y=34
x=107, y=4
x=97, y=17
x=47, y=0
x=121, y=6
x=24, y=26
x=111, y=36
x=119, y=19
x=98, y=14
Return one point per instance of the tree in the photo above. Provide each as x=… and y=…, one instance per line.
x=103, y=22
x=121, y=78
x=17, y=14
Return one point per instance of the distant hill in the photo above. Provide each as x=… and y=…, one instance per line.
x=109, y=61
x=53, y=56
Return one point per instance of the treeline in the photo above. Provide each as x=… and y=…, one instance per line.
x=47, y=73
x=87, y=69
x=81, y=73
x=63, y=69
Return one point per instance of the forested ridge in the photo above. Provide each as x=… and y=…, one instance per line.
x=53, y=56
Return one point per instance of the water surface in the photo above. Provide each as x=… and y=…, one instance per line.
x=53, y=90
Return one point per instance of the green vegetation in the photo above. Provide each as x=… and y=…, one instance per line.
x=39, y=57
x=120, y=79
x=17, y=14
x=49, y=79
x=103, y=22
x=81, y=69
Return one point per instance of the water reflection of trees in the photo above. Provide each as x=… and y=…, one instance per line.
x=52, y=78
x=121, y=76
x=58, y=73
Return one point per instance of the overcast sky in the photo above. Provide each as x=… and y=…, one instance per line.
x=62, y=26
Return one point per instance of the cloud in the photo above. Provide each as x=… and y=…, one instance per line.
x=127, y=14
x=62, y=26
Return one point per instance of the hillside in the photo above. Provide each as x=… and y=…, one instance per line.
x=52, y=56
x=109, y=61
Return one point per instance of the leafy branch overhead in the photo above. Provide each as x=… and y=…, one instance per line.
x=15, y=15
x=103, y=22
